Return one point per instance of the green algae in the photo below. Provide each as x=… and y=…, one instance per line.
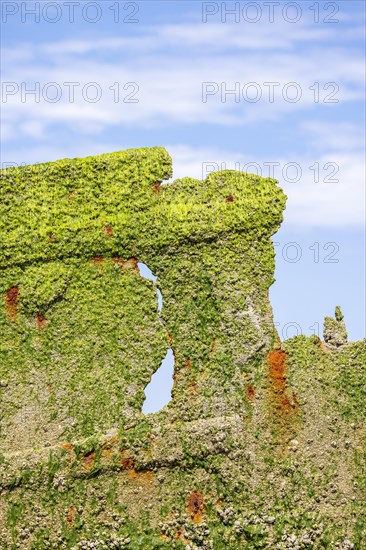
x=80, y=337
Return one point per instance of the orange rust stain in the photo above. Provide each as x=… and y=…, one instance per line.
x=229, y=198
x=286, y=404
x=88, y=459
x=108, y=230
x=132, y=474
x=11, y=303
x=143, y=477
x=250, y=392
x=70, y=449
x=156, y=187
x=130, y=263
x=40, y=321
x=97, y=260
x=179, y=536
x=277, y=367
x=195, y=506
x=126, y=464
x=192, y=388
x=163, y=536
x=107, y=452
x=70, y=516
x=146, y=475
x=187, y=362
x=278, y=374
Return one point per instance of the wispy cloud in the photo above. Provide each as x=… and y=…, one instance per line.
x=170, y=86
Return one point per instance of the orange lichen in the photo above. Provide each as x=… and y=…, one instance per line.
x=143, y=477
x=70, y=450
x=107, y=447
x=88, y=459
x=195, y=506
x=286, y=404
x=11, y=303
x=107, y=452
x=130, y=263
x=97, y=260
x=179, y=536
x=40, y=321
x=70, y=516
x=283, y=402
x=250, y=392
x=187, y=362
x=126, y=462
x=277, y=368
x=156, y=187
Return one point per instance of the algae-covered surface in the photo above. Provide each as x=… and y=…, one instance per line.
x=263, y=442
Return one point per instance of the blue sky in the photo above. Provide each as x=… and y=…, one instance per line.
x=163, y=55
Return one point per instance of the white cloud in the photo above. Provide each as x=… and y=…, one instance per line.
x=170, y=84
x=334, y=136
x=213, y=37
